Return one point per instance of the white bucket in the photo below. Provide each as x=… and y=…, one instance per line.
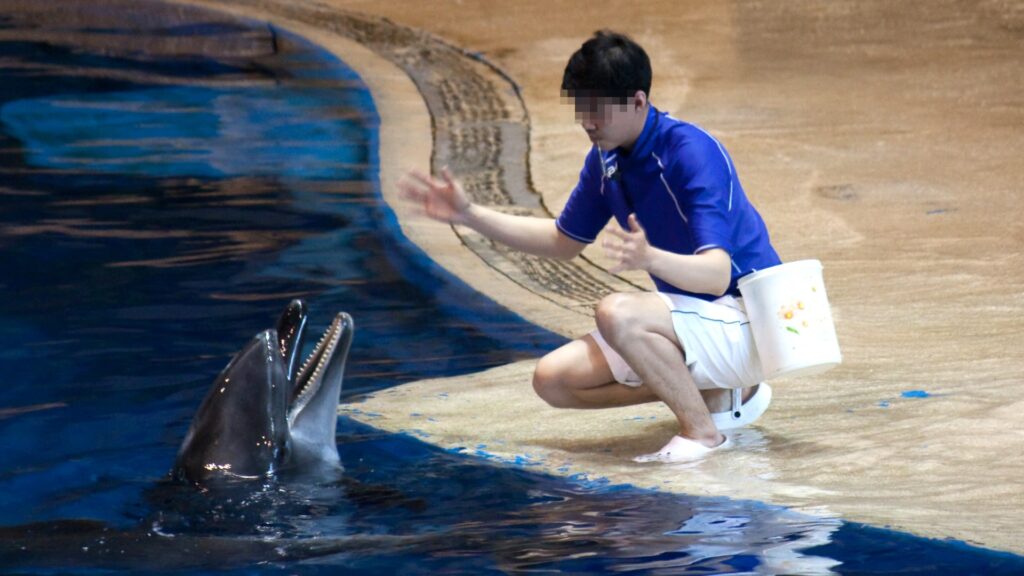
x=791, y=319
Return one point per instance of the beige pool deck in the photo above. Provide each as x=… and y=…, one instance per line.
x=883, y=138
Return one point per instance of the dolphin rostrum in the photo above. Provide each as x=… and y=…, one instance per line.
x=265, y=414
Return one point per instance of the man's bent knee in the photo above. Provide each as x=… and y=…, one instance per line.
x=615, y=317
x=549, y=383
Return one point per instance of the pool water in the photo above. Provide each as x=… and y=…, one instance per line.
x=172, y=178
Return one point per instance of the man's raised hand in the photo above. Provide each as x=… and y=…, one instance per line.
x=629, y=248
x=441, y=199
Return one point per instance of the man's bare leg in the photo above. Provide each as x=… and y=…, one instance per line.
x=639, y=327
x=577, y=375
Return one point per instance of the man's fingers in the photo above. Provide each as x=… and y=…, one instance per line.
x=626, y=245
x=426, y=180
x=405, y=183
x=447, y=175
x=609, y=244
x=620, y=234
x=634, y=223
x=619, y=252
x=614, y=251
x=410, y=191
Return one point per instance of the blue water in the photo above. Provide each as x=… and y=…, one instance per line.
x=161, y=201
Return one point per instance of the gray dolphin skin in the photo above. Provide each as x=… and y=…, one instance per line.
x=265, y=414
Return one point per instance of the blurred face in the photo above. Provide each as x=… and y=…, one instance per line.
x=611, y=122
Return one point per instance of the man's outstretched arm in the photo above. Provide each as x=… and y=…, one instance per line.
x=444, y=200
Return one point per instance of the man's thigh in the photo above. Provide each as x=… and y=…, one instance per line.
x=648, y=311
x=577, y=375
x=622, y=317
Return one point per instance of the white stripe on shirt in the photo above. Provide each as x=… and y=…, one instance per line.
x=728, y=162
x=669, y=190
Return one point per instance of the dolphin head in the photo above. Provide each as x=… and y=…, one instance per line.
x=264, y=413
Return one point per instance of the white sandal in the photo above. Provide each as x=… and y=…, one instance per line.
x=681, y=449
x=743, y=413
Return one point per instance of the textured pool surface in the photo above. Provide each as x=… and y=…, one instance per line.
x=171, y=179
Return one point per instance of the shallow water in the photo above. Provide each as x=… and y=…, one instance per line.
x=172, y=178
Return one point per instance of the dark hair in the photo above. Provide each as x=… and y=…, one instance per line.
x=608, y=65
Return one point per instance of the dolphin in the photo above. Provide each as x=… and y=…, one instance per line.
x=265, y=414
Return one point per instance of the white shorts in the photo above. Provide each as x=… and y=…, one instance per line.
x=718, y=346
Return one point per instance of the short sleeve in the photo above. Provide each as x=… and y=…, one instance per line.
x=587, y=211
x=704, y=175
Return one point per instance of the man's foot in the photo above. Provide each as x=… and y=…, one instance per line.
x=681, y=449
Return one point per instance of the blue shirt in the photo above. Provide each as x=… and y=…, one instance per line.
x=682, y=185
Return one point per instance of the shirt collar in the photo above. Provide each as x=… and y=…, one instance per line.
x=645, y=142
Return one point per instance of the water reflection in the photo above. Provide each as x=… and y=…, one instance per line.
x=194, y=131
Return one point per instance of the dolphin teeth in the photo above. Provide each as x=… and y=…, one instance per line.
x=313, y=367
x=316, y=351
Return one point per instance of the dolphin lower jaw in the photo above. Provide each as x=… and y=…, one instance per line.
x=310, y=378
x=313, y=427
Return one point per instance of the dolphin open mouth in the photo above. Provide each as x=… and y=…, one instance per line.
x=264, y=413
x=310, y=377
